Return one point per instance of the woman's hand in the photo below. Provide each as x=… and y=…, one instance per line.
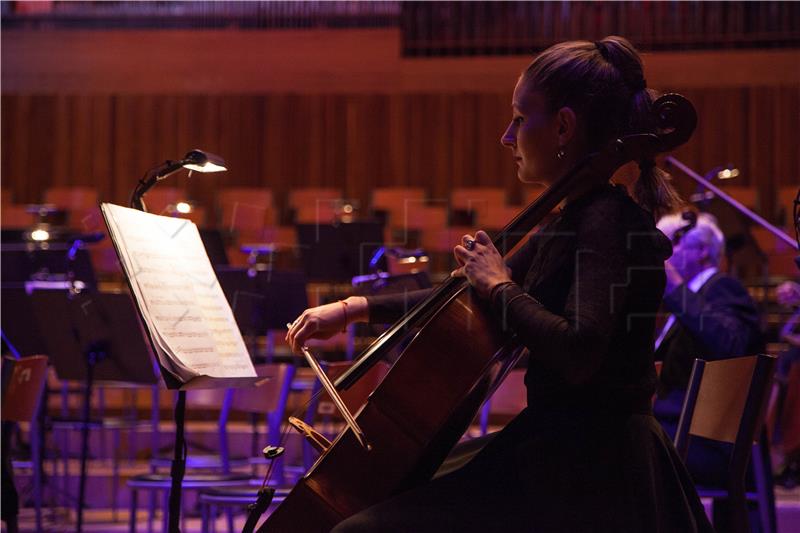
x=325, y=321
x=481, y=263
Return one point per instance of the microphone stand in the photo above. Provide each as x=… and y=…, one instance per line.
x=776, y=231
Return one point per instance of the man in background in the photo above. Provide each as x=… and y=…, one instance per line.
x=712, y=316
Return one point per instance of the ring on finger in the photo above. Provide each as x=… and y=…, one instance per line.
x=469, y=244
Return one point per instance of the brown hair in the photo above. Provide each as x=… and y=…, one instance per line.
x=603, y=82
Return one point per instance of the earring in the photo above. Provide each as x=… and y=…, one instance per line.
x=560, y=154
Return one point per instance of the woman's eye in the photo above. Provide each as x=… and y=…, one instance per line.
x=517, y=120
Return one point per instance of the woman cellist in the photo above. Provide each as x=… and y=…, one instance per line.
x=582, y=294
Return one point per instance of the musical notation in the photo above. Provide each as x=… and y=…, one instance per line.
x=178, y=293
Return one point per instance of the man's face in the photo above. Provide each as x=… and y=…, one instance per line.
x=690, y=256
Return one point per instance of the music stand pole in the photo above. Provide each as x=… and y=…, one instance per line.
x=93, y=356
x=179, y=457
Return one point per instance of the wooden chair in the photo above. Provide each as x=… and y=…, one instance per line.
x=479, y=200
x=246, y=211
x=747, y=196
x=72, y=198
x=79, y=202
x=313, y=205
x=398, y=203
x=726, y=401
x=160, y=200
x=23, y=384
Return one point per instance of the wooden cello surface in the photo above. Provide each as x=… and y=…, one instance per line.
x=431, y=394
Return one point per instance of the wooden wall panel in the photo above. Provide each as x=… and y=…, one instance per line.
x=352, y=141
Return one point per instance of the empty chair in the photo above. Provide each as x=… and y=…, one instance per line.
x=726, y=401
x=481, y=201
x=72, y=197
x=162, y=200
x=77, y=201
x=246, y=211
x=23, y=384
x=747, y=196
x=314, y=205
x=398, y=203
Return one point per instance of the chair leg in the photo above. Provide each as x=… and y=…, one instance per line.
x=132, y=518
x=115, y=474
x=762, y=470
x=229, y=516
x=36, y=459
x=65, y=463
x=165, y=513
x=151, y=510
x=204, y=517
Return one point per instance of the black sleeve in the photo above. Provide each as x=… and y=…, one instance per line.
x=724, y=319
x=573, y=345
x=520, y=261
x=387, y=308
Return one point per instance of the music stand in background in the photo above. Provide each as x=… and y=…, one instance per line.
x=93, y=336
x=338, y=252
x=263, y=301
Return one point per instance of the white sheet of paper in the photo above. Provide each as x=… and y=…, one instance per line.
x=183, y=304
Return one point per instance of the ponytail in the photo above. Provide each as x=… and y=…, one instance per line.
x=654, y=192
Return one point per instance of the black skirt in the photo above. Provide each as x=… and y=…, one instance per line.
x=558, y=471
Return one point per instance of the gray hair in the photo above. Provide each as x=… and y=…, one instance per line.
x=706, y=230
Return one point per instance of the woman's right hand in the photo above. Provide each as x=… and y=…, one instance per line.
x=325, y=321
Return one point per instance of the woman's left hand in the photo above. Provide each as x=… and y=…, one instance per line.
x=481, y=263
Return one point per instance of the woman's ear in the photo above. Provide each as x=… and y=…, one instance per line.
x=567, y=123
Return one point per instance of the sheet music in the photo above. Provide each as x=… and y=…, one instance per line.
x=183, y=305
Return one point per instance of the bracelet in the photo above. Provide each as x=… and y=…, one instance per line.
x=344, y=311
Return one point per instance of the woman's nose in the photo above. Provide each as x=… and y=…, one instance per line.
x=509, y=137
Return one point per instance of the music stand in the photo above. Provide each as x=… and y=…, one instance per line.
x=263, y=300
x=338, y=252
x=93, y=336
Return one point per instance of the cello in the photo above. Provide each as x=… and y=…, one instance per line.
x=457, y=357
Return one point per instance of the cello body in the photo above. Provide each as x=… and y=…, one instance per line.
x=409, y=434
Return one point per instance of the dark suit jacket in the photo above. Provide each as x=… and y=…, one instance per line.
x=717, y=322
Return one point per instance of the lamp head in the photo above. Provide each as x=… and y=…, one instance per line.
x=203, y=161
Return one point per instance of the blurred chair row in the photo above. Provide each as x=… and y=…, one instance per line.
x=411, y=218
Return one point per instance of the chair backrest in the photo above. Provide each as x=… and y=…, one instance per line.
x=72, y=198
x=159, y=199
x=726, y=401
x=748, y=196
x=269, y=396
x=398, y=202
x=23, y=382
x=246, y=210
x=480, y=200
x=314, y=205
